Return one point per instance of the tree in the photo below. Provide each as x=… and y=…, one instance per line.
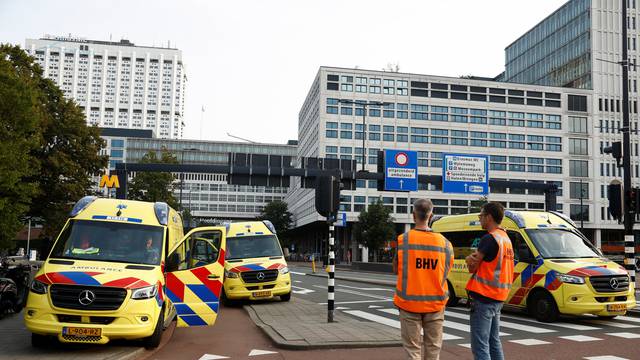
x=20, y=115
x=47, y=152
x=69, y=157
x=374, y=227
x=278, y=213
x=154, y=186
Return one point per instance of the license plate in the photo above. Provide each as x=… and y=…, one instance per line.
x=617, y=307
x=258, y=294
x=81, y=332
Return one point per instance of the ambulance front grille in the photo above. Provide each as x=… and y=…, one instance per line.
x=255, y=277
x=609, y=284
x=105, y=298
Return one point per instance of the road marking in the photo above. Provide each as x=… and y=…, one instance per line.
x=613, y=324
x=390, y=322
x=342, y=308
x=355, y=293
x=301, y=291
x=580, y=338
x=374, y=306
x=558, y=324
x=507, y=324
x=367, y=289
x=625, y=335
x=628, y=318
x=468, y=346
x=529, y=342
x=605, y=357
x=297, y=281
x=297, y=273
x=447, y=323
x=357, y=302
x=256, y=352
x=212, y=357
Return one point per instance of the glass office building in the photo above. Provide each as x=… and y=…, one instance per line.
x=556, y=52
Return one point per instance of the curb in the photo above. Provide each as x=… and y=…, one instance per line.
x=362, y=280
x=143, y=354
x=280, y=342
x=128, y=356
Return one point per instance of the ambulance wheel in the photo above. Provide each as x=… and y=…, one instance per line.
x=39, y=341
x=285, y=297
x=153, y=341
x=453, y=299
x=543, y=306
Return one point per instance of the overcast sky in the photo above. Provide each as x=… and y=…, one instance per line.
x=251, y=63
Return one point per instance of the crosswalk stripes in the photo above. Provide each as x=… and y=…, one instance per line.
x=522, y=330
x=447, y=323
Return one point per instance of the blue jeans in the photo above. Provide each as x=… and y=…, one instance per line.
x=485, y=330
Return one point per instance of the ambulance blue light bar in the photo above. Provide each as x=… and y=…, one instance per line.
x=81, y=205
x=162, y=212
x=517, y=218
x=269, y=226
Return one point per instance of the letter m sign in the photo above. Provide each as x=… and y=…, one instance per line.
x=109, y=181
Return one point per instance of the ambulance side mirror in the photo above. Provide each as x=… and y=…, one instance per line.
x=173, y=262
x=524, y=254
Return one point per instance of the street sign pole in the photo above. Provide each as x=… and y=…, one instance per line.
x=331, y=264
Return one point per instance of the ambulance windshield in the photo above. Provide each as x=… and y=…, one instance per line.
x=245, y=247
x=561, y=244
x=110, y=241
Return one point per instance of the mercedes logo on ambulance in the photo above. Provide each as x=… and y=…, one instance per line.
x=86, y=297
x=613, y=283
x=260, y=276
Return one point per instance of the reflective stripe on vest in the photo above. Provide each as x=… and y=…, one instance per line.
x=402, y=293
x=493, y=279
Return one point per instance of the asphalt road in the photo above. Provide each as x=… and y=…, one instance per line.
x=523, y=337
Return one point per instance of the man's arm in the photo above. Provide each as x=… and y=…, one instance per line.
x=474, y=260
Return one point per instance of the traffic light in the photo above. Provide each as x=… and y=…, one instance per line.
x=327, y=195
x=614, y=195
x=381, y=170
x=615, y=150
x=634, y=200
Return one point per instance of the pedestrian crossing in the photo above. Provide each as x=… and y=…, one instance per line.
x=517, y=329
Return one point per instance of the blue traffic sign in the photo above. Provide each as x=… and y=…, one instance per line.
x=465, y=174
x=341, y=219
x=400, y=170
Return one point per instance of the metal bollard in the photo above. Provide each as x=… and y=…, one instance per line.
x=331, y=279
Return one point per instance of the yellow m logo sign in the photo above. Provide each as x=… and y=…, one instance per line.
x=110, y=182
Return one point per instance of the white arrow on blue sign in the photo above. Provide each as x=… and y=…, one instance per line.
x=400, y=170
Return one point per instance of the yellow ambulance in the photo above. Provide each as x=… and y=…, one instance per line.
x=255, y=267
x=557, y=270
x=123, y=269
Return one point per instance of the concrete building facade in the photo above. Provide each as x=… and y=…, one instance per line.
x=117, y=84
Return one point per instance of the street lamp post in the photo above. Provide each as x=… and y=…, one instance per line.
x=182, y=151
x=364, y=114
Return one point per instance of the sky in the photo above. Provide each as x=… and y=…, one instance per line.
x=251, y=63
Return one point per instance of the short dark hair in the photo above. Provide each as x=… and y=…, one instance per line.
x=422, y=208
x=495, y=209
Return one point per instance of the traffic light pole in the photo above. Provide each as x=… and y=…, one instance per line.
x=629, y=214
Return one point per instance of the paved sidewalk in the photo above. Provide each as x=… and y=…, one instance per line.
x=300, y=324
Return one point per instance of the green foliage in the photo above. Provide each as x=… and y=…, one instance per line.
x=20, y=118
x=375, y=226
x=278, y=213
x=155, y=186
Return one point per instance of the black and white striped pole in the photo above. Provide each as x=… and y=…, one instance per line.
x=331, y=265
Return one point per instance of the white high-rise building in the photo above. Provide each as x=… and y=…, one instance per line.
x=117, y=84
x=579, y=45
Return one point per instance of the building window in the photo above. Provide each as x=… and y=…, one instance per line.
x=579, y=190
x=578, y=147
x=578, y=168
x=578, y=124
x=578, y=212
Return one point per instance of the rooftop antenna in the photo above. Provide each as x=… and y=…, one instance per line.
x=243, y=139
